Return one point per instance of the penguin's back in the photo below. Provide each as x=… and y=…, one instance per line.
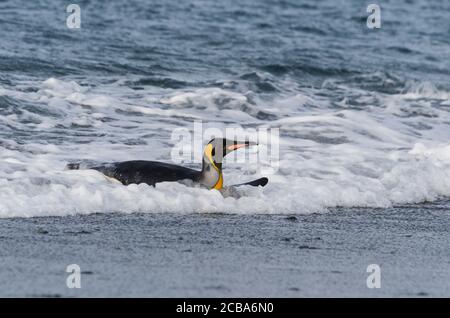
x=149, y=172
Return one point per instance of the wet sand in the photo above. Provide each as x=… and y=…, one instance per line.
x=220, y=255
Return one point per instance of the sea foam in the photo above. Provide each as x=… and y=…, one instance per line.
x=392, y=150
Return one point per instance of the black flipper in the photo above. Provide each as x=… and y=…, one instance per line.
x=255, y=183
x=73, y=166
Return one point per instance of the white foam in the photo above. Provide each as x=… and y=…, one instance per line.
x=395, y=151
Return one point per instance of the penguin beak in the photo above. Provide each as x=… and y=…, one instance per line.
x=238, y=145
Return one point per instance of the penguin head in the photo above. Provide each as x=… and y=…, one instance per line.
x=218, y=148
x=213, y=156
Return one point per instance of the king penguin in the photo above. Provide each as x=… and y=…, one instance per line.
x=152, y=172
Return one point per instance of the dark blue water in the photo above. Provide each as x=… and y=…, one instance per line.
x=193, y=43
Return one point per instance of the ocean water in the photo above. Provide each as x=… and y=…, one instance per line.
x=364, y=122
x=363, y=114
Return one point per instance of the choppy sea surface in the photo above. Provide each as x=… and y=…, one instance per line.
x=363, y=114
